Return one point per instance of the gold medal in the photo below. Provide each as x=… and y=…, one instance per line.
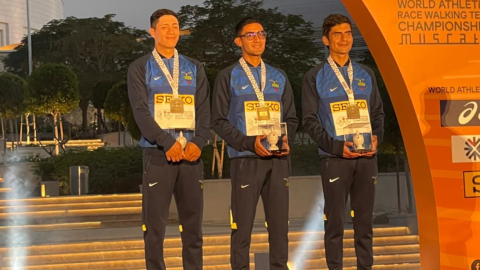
x=353, y=111
x=263, y=113
x=176, y=105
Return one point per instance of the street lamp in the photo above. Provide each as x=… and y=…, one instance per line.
x=30, y=65
x=30, y=68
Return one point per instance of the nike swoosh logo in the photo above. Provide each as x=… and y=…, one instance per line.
x=244, y=186
x=333, y=180
x=245, y=87
x=333, y=89
x=157, y=78
x=152, y=184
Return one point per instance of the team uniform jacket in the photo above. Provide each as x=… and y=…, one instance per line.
x=324, y=95
x=235, y=96
x=146, y=80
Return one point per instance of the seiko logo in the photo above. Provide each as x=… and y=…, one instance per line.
x=252, y=106
x=342, y=106
x=166, y=98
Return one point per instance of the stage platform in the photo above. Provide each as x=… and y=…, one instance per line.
x=104, y=232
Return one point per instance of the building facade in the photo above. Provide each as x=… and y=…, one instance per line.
x=13, y=20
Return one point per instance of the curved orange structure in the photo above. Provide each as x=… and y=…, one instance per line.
x=428, y=53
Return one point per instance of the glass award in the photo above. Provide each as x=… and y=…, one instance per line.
x=182, y=135
x=277, y=137
x=360, y=135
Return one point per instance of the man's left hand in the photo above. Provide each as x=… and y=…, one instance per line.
x=192, y=152
x=374, y=148
x=284, y=146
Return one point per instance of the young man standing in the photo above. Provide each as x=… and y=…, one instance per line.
x=245, y=95
x=169, y=95
x=337, y=95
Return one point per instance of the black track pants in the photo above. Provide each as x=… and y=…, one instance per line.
x=184, y=180
x=341, y=177
x=252, y=178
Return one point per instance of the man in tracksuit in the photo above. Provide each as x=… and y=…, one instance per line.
x=243, y=92
x=330, y=90
x=169, y=95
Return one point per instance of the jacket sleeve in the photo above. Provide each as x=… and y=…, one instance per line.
x=377, y=115
x=289, y=111
x=202, y=108
x=311, y=122
x=137, y=94
x=220, y=123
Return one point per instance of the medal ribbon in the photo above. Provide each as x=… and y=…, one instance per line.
x=247, y=70
x=348, y=89
x=176, y=70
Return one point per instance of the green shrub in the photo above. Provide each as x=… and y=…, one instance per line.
x=119, y=170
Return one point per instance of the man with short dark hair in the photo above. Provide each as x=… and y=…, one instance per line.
x=169, y=95
x=341, y=101
x=250, y=95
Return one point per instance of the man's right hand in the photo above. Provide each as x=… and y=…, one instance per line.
x=347, y=153
x=259, y=149
x=175, y=153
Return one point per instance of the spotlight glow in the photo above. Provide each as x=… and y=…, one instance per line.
x=314, y=223
x=17, y=238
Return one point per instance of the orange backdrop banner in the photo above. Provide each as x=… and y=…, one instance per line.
x=428, y=52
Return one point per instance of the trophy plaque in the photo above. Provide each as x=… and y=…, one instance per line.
x=182, y=135
x=277, y=137
x=182, y=140
x=361, y=136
